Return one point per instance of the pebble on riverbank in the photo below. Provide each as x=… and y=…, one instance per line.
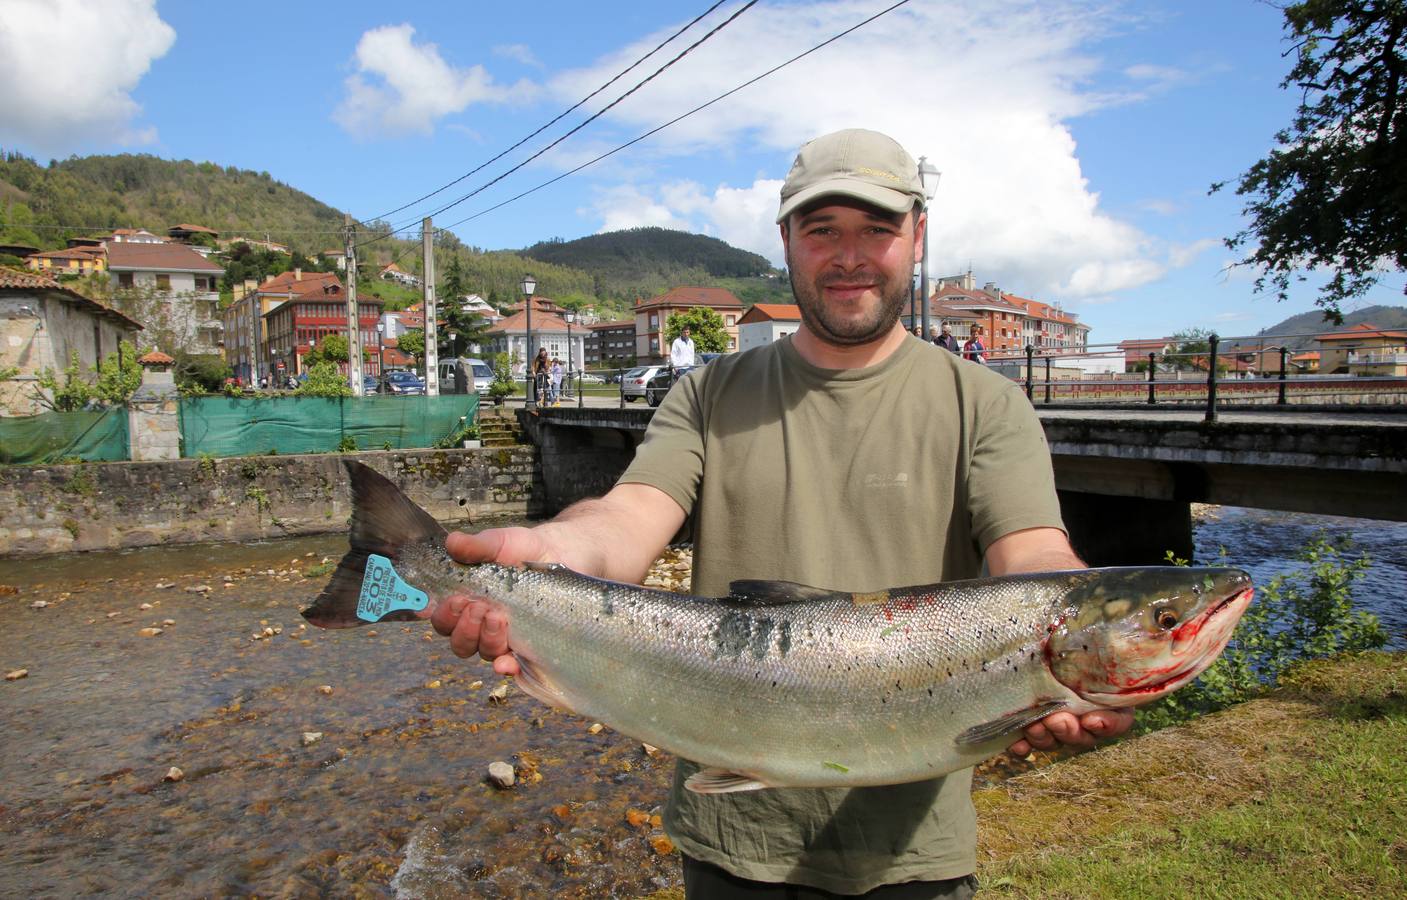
x=311, y=737
x=501, y=775
x=16, y=675
x=173, y=774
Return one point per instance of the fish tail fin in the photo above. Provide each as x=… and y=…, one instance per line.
x=384, y=520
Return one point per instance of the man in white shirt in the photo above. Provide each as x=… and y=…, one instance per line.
x=681, y=352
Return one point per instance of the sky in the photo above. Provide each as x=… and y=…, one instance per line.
x=1076, y=139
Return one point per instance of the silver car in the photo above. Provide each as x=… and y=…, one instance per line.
x=632, y=383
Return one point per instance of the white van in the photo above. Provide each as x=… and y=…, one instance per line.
x=476, y=372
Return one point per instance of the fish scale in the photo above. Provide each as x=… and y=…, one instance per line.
x=786, y=685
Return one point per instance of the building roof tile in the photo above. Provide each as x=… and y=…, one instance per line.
x=20, y=280
x=122, y=255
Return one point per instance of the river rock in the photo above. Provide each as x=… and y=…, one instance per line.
x=39, y=604
x=501, y=775
x=144, y=606
x=168, y=622
x=325, y=690
x=475, y=685
x=198, y=589
x=173, y=774
x=596, y=728
x=499, y=695
x=16, y=675
x=311, y=737
x=149, y=632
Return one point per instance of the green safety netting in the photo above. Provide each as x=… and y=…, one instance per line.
x=92, y=436
x=226, y=426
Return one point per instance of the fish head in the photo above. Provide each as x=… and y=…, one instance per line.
x=1129, y=636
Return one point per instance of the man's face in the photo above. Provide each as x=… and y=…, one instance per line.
x=850, y=267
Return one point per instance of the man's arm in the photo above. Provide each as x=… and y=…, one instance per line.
x=616, y=536
x=1049, y=550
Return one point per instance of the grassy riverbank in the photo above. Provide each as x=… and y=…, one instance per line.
x=1299, y=794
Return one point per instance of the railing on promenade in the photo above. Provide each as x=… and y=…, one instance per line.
x=1208, y=373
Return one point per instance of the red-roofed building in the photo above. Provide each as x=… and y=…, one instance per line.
x=185, y=232
x=316, y=308
x=510, y=335
x=1363, y=350
x=764, y=323
x=42, y=324
x=1136, y=351
x=393, y=272
x=611, y=344
x=1008, y=322
x=70, y=261
x=652, y=317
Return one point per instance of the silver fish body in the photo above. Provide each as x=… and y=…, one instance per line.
x=785, y=685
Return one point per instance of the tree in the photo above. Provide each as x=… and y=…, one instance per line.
x=413, y=342
x=705, y=327
x=333, y=348
x=324, y=381
x=1334, y=193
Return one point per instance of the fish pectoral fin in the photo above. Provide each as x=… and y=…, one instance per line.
x=721, y=781
x=774, y=593
x=1009, y=723
x=538, y=686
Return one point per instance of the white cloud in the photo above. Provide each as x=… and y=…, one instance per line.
x=401, y=87
x=988, y=104
x=71, y=66
x=518, y=53
x=1180, y=255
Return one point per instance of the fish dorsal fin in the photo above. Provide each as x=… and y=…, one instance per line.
x=748, y=592
x=1008, y=724
x=383, y=518
x=721, y=781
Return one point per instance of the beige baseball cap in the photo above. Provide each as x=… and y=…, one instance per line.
x=865, y=165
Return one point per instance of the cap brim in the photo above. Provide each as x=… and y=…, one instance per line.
x=873, y=194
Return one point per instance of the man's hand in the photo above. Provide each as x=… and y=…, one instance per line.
x=1067, y=729
x=472, y=623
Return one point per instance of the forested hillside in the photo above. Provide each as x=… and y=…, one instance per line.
x=44, y=205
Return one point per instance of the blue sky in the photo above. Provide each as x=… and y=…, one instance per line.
x=1076, y=139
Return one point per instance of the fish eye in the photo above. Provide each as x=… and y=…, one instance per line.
x=1166, y=618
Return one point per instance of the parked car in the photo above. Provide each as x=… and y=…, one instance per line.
x=591, y=378
x=369, y=384
x=474, y=369
x=632, y=383
x=402, y=383
x=662, y=381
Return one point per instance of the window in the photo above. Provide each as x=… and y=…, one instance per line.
x=731, y=319
x=124, y=279
x=163, y=281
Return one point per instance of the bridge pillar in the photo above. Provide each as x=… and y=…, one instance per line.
x=578, y=461
x=1107, y=530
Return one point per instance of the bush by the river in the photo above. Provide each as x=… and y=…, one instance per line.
x=1303, y=615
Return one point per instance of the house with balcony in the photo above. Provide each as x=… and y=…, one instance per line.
x=652, y=318
x=316, y=308
x=765, y=323
x=42, y=326
x=1363, y=349
x=177, y=288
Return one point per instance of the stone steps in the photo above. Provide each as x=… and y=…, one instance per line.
x=498, y=429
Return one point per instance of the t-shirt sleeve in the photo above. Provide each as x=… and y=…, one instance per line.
x=1011, y=485
x=671, y=457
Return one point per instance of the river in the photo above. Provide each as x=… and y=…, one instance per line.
x=390, y=797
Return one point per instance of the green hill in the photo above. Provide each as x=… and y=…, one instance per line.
x=41, y=205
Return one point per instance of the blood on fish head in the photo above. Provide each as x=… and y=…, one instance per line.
x=1131, y=637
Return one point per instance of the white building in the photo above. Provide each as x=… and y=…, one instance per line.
x=767, y=322
x=177, y=289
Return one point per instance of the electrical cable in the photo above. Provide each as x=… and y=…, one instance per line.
x=559, y=117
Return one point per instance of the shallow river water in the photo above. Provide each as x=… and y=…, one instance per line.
x=391, y=799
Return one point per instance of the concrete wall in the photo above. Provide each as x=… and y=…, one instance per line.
x=67, y=328
x=103, y=506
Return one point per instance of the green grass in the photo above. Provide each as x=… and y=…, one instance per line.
x=1301, y=794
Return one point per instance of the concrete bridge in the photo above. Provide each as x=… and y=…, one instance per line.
x=1127, y=476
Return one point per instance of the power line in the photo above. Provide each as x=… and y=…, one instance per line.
x=677, y=119
x=685, y=52
x=559, y=118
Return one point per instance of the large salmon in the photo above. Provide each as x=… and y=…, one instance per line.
x=779, y=684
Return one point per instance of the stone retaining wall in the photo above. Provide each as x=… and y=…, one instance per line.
x=108, y=506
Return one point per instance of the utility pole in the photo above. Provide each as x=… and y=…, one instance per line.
x=354, y=325
x=432, y=338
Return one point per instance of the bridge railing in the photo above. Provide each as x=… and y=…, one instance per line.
x=1210, y=371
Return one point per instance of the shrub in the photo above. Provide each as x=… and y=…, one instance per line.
x=1297, y=617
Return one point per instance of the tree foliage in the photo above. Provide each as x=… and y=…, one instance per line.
x=116, y=378
x=412, y=342
x=334, y=348
x=1333, y=195
x=324, y=380
x=705, y=328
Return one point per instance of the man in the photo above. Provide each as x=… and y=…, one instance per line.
x=947, y=341
x=681, y=352
x=801, y=461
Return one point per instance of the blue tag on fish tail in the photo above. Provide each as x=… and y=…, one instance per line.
x=383, y=591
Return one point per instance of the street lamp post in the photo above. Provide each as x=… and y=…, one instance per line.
x=570, y=317
x=380, y=350
x=928, y=177
x=529, y=285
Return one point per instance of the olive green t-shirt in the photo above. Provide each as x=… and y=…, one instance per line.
x=898, y=474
